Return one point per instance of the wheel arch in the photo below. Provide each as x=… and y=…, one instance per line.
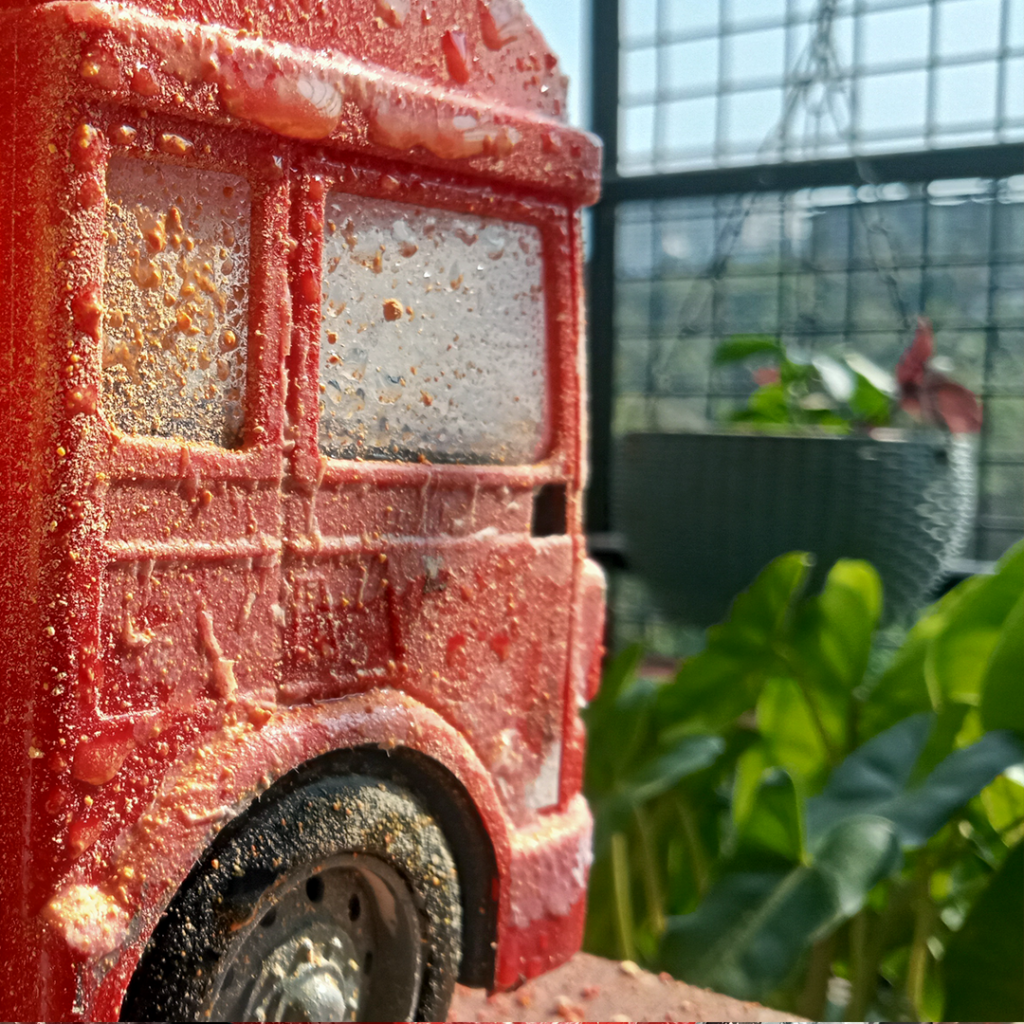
x=217, y=784
x=451, y=805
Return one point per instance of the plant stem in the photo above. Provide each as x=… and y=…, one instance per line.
x=652, y=886
x=623, y=900
x=924, y=916
x=863, y=966
x=811, y=1002
x=694, y=847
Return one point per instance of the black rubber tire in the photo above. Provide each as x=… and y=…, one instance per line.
x=335, y=827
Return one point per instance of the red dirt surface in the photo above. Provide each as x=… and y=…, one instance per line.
x=593, y=989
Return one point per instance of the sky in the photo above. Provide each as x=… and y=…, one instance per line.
x=892, y=98
x=563, y=25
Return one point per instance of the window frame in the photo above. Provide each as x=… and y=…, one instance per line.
x=263, y=166
x=996, y=160
x=559, y=231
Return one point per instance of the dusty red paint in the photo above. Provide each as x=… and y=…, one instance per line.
x=182, y=623
x=98, y=760
x=457, y=55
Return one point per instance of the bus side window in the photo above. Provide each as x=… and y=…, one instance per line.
x=433, y=335
x=176, y=295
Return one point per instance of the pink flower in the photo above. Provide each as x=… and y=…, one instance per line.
x=764, y=377
x=931, y=396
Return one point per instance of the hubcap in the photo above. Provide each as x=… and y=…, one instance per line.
x=309, y=978
x=333, y=942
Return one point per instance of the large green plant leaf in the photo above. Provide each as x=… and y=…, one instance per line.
x=1002, y=689
x=806, y=717
x=874, y=780
x=725, y=679
x=984, y=962
x=871, y=778
x=1003, y=801
x=746, y=782
x=833, y=631
x=945, y=656
x=958, y=655
x=947, y=733
x=791, y=734
x=752, y=928
x=921, y=811
x=656, y=775
x=774, y=827
x=902, y=690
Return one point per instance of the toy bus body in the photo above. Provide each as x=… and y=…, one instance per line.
x=293, y=454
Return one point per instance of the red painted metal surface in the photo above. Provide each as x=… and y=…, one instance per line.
x=183, y=621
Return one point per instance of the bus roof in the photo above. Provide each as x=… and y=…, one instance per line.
x=465, y=81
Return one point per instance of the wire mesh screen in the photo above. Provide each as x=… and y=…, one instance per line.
x=833, y=270
x=707, y=83
x=890, y=98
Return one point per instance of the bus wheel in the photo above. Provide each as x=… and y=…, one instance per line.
x=330, y=900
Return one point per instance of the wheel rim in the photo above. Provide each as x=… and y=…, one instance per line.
x=335, y=941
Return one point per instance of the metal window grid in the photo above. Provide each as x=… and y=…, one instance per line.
x=650, y=230
x=659, y=104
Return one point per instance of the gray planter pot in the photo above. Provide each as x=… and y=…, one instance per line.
x=702, y=514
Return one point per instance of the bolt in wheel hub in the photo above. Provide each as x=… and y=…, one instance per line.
x=334, y=942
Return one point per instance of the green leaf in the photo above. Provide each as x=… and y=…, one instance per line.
x=947, y=734
x=750, y=768
x=873, y=780
x=1003, y=801
x=869, y=404
x=725, y=679
x=743, y=346
x=768, y=404
x=902, y=690
x=712, y=946
x=984, y=962
x=790, y=731
x=775, y=825
x=958, y=655
x=657, y=775
x=1002, y=689
x=946, y=653
x=920, y=812
x=749, y=933
x=845, y=616
x=829, y=647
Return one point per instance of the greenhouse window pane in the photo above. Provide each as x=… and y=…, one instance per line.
x=898, y=36
x=966, y=95
x=969, y=26
x=691, y=65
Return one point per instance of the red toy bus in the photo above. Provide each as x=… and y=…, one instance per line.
x=296, y=615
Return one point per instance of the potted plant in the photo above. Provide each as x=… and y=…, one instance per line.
x=812, y=462
x=800, y=802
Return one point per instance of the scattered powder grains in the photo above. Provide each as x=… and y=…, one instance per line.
x=175, y=290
